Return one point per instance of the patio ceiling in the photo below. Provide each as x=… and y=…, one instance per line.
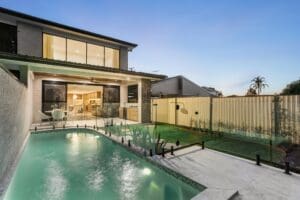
x=92, y=75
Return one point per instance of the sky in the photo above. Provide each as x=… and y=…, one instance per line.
x=221, y=44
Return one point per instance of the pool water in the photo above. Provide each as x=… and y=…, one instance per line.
x=78, y=164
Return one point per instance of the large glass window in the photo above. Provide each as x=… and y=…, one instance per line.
x=95, y=55
x=76, y=51
x=60, y=48
x=8, y=38
x=111, y=57
x=54, y=47
x=133, y=94
x=54, y=95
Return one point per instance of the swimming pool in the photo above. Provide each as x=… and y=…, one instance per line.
x=79, y=164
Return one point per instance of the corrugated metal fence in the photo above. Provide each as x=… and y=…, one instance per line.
x=262, y=116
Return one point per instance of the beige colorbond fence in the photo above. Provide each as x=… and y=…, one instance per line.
x=262, y=116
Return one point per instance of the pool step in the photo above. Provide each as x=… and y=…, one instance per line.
x=217, y=194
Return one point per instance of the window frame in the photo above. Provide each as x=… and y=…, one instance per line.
x=56, y=35
x=13, y=33
x=97, y=46
x=44, y=101
x=85, y=50
x=118, y=67
x=86, y=45
x=129, y=100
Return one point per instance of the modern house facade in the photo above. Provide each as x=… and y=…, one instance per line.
x=83, y=74
x=179, y=86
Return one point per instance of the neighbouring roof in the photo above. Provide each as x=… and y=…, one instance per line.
x=197, y=90
x=32, y=59
x=51, y=23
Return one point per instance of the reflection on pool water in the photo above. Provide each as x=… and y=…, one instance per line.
x=73, y=164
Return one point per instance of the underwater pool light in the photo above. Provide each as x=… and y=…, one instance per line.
x=146, y=171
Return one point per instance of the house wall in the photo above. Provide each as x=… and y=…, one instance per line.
x=37, y=94
x=145, y=100
x=15, y=121
x=30, y=38
x=123, y=58
x=123, y=94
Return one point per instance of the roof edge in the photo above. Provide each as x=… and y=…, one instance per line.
x=59, y=25
x=32, y=59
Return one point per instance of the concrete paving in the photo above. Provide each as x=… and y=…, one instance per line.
x=225, y=175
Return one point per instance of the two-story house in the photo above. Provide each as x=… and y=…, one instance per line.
x=85, y=74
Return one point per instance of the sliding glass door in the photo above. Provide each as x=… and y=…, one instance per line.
x=54, y=96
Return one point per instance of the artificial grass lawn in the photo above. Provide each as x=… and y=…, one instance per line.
x=238, y=145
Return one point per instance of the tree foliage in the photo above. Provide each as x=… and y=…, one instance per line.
x=258, y=84
x=292, y=88
x=251, y=92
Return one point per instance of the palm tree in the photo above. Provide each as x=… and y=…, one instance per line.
x=258, y=83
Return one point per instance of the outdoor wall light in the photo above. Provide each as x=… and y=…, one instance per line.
x=184, y=111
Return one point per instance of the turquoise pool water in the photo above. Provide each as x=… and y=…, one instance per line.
x=78, y=164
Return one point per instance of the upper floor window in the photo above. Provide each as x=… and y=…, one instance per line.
x=54, y=47
x=8, y=38
x=76, y=51
x=111, y=57
x=95, y=55
x=60, y=48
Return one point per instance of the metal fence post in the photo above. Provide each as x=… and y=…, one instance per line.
x=176, y=111
x=276, y=114
x=287, y=167
x=129, y=144
x=172, y=150
x=210, y=114
x=276, y=122
x=257, y=159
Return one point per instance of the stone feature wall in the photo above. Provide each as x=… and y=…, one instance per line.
x=15, y=121
x=146, y=101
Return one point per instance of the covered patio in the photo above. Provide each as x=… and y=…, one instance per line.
x=71, y=94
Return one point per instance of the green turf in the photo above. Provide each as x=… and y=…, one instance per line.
x=235, y=144
x=232, y=143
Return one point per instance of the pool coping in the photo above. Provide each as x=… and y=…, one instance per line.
x=138, y=151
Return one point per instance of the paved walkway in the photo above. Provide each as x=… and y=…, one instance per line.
x=224, y=175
